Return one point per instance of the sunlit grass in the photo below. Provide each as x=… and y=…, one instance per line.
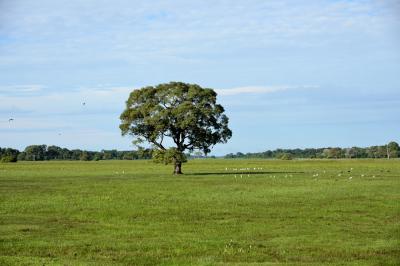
x=137, y=213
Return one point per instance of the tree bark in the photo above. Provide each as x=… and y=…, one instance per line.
x=177, y=168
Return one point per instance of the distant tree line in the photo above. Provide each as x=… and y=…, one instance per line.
x=44, y=153
x=391, y=150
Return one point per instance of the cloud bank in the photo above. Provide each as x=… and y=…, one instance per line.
x=259, y=89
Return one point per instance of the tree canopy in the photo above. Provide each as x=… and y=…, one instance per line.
x=186, y=113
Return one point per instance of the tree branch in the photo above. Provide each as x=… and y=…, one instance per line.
x=158, y=145
x=188, y=146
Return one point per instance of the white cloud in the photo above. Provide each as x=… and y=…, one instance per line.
x=29, y=110
x=61, y=101
x=259, y=89
x=20, y=89
x=69, y=31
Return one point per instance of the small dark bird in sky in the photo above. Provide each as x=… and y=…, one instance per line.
x=83, y=103
x=11, y=119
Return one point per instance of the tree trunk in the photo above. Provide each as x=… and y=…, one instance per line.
x=178, y=168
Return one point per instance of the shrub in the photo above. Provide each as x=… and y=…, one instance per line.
x=9, y=159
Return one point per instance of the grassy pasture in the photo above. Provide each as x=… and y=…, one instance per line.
x=136, y=213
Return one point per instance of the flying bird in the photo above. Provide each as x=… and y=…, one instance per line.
x=11, y=119
x=83, y=103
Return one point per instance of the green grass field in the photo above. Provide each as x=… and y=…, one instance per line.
x=136, y=213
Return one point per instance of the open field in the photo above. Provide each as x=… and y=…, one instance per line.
x=136, y=213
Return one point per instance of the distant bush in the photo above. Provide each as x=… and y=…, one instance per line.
x=21, y=156
x=84, y=156
x=285, y=156
x=9, y=159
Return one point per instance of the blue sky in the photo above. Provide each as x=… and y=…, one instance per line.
x=289, y=73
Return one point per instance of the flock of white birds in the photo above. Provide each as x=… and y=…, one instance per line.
x=248, y=174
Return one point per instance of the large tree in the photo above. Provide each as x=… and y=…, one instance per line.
x=186, y=113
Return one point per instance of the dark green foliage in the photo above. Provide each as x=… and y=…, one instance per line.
x=54, y=153
x=57, y=153
x=168, y=156
x=8, y=159
x=97, y=157
x=42, y=152
x=285, y=156
x=8, y=155
x=84, y=156
x=21, y=156
x=393, y=150
x=333, y=153
x=186, y=113
x=329, y=153
x=35, y=153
